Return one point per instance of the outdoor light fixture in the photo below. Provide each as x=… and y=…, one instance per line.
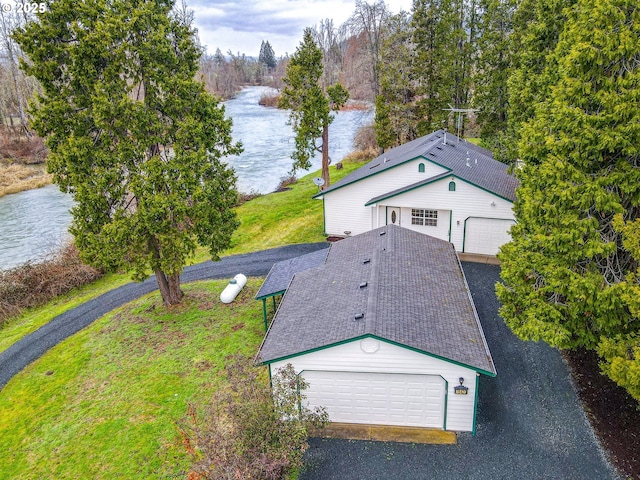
x=461, y=389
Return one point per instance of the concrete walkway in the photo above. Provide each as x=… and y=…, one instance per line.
x=31, y=347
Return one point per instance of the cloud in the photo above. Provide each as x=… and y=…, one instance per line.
x=242, y=26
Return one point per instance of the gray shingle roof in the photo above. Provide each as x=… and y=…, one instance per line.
x=281, y=273
x=416, y=295
x=481, y=169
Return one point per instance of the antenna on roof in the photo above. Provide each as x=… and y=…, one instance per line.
x=459, y=118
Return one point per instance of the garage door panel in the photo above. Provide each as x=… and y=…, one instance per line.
x=376, y=398
x=486, y=235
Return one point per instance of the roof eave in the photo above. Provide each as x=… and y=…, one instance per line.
x=392, y=342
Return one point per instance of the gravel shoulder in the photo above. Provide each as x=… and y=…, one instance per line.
x=31, y=347
x=530, y=423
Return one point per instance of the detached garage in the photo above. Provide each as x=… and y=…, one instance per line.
x=385, y=332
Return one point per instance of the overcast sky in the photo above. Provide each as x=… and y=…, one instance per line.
x=241, y=26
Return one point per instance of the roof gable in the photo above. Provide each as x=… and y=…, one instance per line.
x=409, y=287
x=459, y=157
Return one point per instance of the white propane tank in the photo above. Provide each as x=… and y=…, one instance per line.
x=233, y=288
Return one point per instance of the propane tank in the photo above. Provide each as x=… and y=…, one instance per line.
x=233, y=288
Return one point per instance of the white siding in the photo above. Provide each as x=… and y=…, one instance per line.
x=465, y=202
x=345, y=207
x=389, y=358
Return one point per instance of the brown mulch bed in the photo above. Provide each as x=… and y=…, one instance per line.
x=613, y=413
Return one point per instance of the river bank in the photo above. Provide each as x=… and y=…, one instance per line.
x=18, y=178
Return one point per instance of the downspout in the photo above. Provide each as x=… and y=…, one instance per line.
x=450, y=223
x=475, y=406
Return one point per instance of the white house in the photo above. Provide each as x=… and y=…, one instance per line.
x=438, y=184
x=385, y=332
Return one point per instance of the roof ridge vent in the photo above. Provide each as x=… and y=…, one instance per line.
x=358, y=316
x=364, y=285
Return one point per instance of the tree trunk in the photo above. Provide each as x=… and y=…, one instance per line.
x=325, y=156
x=169, y=286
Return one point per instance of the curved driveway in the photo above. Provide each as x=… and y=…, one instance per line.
x=31, y=347
x=530, y=423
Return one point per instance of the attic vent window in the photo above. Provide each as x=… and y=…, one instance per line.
x=452, y=186
x=421, y=168
x=359, y=316
x=363, y=285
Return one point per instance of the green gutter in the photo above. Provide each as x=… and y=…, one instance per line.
x=386, y=340
x=444, y=176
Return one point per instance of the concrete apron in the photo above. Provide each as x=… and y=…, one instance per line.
x=478, y=258
x=386, y=433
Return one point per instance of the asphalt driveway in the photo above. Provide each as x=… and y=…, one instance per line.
x=530, y=424
x=31, y=347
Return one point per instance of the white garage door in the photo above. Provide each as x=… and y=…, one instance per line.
x=378, y=398
x=486, y=235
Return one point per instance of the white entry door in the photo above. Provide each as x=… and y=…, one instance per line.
x=378, y=398
x=393, y=216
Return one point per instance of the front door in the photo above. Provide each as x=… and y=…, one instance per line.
x=393, y=216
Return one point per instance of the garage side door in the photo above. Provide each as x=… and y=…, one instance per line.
x=378, y=398
x=486, y=235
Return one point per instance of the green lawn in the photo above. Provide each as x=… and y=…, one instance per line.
x=269, y=221
x=104, y=403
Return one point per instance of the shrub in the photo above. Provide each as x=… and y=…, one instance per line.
x=285, y=182
x=269, y=100
x=251, y=430
x=34, y=284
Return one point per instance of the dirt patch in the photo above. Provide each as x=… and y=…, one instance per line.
x=612, y=412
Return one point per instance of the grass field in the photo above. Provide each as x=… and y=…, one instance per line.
x=105, y=402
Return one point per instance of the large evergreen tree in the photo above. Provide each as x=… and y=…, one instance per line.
x=537, y=25
x=267, y=56
x=395, y=117
x=494, y=65
x=132, y=136
x=571, y=271
x=310, y=106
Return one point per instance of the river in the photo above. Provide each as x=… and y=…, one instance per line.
x=34, y=223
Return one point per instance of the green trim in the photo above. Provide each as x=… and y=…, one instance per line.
x=324, y=216
x=450, y=224
x=338, y=187
x=264, y=314
x=464, y=229
x=443, y=176
x=475, y=185
x=446, y=402
x=263, y=297
x=386, y=340
x=386, y=215
x=475, y=408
